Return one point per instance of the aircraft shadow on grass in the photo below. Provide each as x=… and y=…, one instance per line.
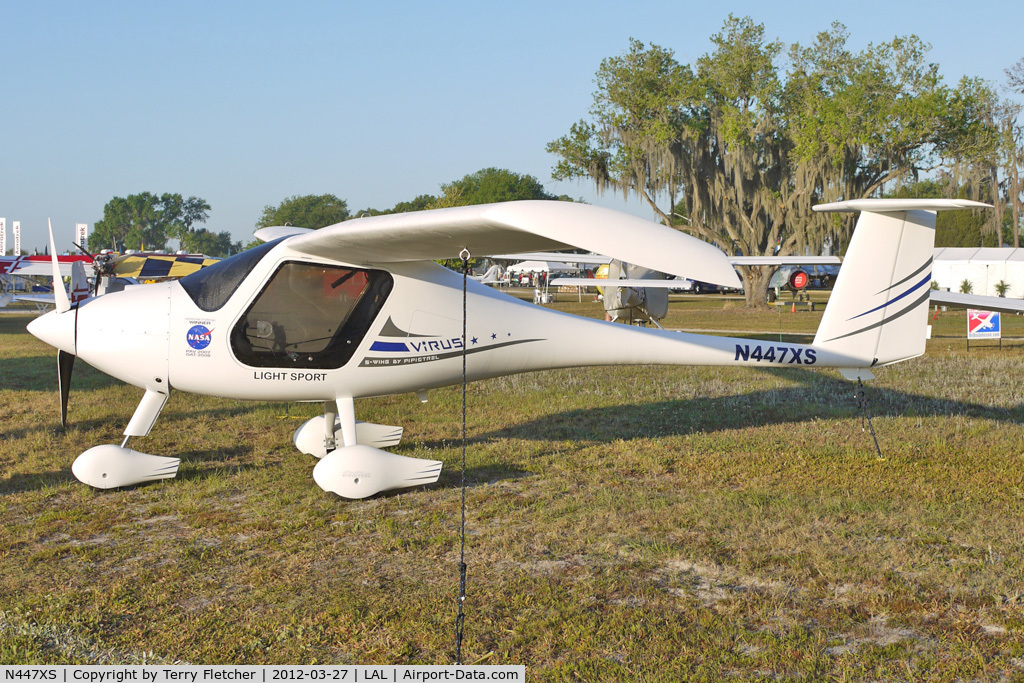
x=39, y=373
x=51, y=422
x=819, y=396
x=35, y=481
x=481, y=475
x=451, y=478
x=206, y=466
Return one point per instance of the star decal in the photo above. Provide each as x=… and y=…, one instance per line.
x=473, y=340
x=494, y=335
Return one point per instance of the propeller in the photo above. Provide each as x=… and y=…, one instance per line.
x=65, y=359
x=85, y=251
x=65, y=363
x=60, y=295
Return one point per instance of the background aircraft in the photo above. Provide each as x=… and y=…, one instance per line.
x=640, y=295
x=110, y=272
x=29, y=267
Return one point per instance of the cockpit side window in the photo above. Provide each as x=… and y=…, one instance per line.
x=310, y=316
x=212, y=286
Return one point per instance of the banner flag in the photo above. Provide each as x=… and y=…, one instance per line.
x=983, y=324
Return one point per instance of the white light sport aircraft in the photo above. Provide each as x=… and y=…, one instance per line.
x=359, y=309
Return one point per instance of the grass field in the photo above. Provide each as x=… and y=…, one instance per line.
x=623, y=524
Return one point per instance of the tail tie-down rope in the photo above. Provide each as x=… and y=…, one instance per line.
x=862, y=403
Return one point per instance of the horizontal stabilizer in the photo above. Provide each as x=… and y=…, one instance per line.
x=892, y=205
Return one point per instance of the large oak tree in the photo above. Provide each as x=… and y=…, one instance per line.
x=736, y=150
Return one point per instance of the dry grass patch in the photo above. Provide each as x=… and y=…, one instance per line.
x=623, y=524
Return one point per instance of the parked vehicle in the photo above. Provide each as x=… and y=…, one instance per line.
x=687, y=286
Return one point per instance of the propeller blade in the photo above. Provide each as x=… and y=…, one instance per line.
x=65, y=363
x=84, y=251
x=60, y=296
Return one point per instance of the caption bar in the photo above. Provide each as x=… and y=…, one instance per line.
x=188, y=673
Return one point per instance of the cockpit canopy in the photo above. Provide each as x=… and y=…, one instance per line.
x=310, y=315
x=307, y=315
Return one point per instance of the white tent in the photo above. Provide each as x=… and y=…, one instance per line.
x=984, y=268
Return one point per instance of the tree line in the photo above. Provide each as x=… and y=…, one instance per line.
x=737, y=147
x=734, y=148
x=148, y=221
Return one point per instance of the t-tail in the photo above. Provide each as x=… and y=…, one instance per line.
x=878, y=309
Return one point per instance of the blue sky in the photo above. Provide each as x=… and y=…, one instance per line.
x=247, y=103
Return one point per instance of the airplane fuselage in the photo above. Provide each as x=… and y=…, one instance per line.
x=159, y=337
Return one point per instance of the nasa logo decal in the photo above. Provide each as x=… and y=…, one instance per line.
x=198, y=337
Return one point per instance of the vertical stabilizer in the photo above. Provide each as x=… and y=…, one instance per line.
x=79, y=283
x=878, y=310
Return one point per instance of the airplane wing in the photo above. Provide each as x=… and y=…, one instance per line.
x=151, y=266
x=793, y=260
x=36, y=298
x=984, y=303
x=622, y=282
x=510, y=227
x=15, y=266
x=42, y=302
x=558, y=256
x=38, y=264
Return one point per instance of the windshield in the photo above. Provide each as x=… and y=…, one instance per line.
x=212, y=286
